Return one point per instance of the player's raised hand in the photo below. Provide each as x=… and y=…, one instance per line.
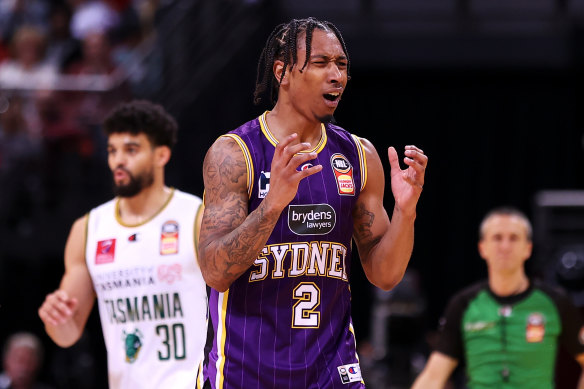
x=58, y=308
x=407, y=184
x=284, y=175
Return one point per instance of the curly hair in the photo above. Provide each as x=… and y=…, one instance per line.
x=282, y=45
x=141, y=116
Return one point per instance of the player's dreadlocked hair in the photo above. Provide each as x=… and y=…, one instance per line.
x=281, y=45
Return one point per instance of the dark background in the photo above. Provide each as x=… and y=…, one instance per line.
x=490, y=90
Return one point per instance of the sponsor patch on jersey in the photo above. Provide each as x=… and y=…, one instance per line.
x=306, y=166
x=535, y=329
x=313, y=219
x=350, y=373
x=170, y=273
x=263, y=184
x=343, y=174
x=106, y=250
x=169, y=238
x=479, y=326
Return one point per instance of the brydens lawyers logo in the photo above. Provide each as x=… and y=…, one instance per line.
x=313, y=219
x=263, y=184
x=106, y=250
x=343, y=174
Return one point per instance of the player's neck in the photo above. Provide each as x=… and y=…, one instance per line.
x=143, y=206
x=285, y=121
x=508, y=284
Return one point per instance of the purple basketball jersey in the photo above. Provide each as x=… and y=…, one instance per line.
x=286, y=322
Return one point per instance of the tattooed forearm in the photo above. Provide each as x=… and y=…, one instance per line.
x=363, y=221
x=245, y=242
x=230, y=239
x=229, y=256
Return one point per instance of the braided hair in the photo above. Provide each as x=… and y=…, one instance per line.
x=281, y=45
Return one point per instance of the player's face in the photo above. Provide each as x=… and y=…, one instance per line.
x=505, y=245
x=131, y=160
x=316, y=92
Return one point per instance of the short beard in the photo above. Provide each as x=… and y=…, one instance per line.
x=135, y=186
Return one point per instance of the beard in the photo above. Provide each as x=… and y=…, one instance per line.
x=135, y=185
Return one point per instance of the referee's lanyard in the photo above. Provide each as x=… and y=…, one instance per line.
x=504, y=313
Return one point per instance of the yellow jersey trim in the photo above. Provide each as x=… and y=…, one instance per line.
x=86, y=234
x=197, y=228
x=272, y=139
x=221, y=339
x=352, y=331
x=248, y=160
x=362, y=160
x=119, y=218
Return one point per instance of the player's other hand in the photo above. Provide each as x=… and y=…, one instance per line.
x=58, y=308
x=407, y=183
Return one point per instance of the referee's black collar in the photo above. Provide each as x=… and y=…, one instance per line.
x=514, y=298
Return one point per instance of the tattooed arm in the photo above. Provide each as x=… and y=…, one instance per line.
x=230, y=238
x=385, y=246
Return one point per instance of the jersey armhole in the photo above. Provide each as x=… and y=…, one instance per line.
x=248, y=160
x=86, y=236
x=362, y=160
x=197, y=227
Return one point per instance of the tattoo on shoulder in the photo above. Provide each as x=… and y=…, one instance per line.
x=221, y=169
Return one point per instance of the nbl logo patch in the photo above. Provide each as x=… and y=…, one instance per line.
x=169, y=238
x=535, y=330
x=343, y=174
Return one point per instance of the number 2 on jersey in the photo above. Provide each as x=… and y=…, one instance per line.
x=304, y=313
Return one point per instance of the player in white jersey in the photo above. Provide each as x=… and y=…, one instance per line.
x=137, y=254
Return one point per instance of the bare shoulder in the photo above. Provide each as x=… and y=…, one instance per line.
x=75, y=247
x=370, y=220
x=80, y=225
x=224, y=167
x=225, y=176
x=77, y=281
x=368, y=146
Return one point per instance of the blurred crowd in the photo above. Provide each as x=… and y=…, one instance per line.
x=63, y=65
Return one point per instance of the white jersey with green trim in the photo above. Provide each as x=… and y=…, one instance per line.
x=151, y=294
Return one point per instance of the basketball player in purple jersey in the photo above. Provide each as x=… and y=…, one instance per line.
x=285, y=194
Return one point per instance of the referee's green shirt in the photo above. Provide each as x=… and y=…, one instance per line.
x=510, y=342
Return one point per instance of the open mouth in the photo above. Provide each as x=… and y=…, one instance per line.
x=332, y=96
